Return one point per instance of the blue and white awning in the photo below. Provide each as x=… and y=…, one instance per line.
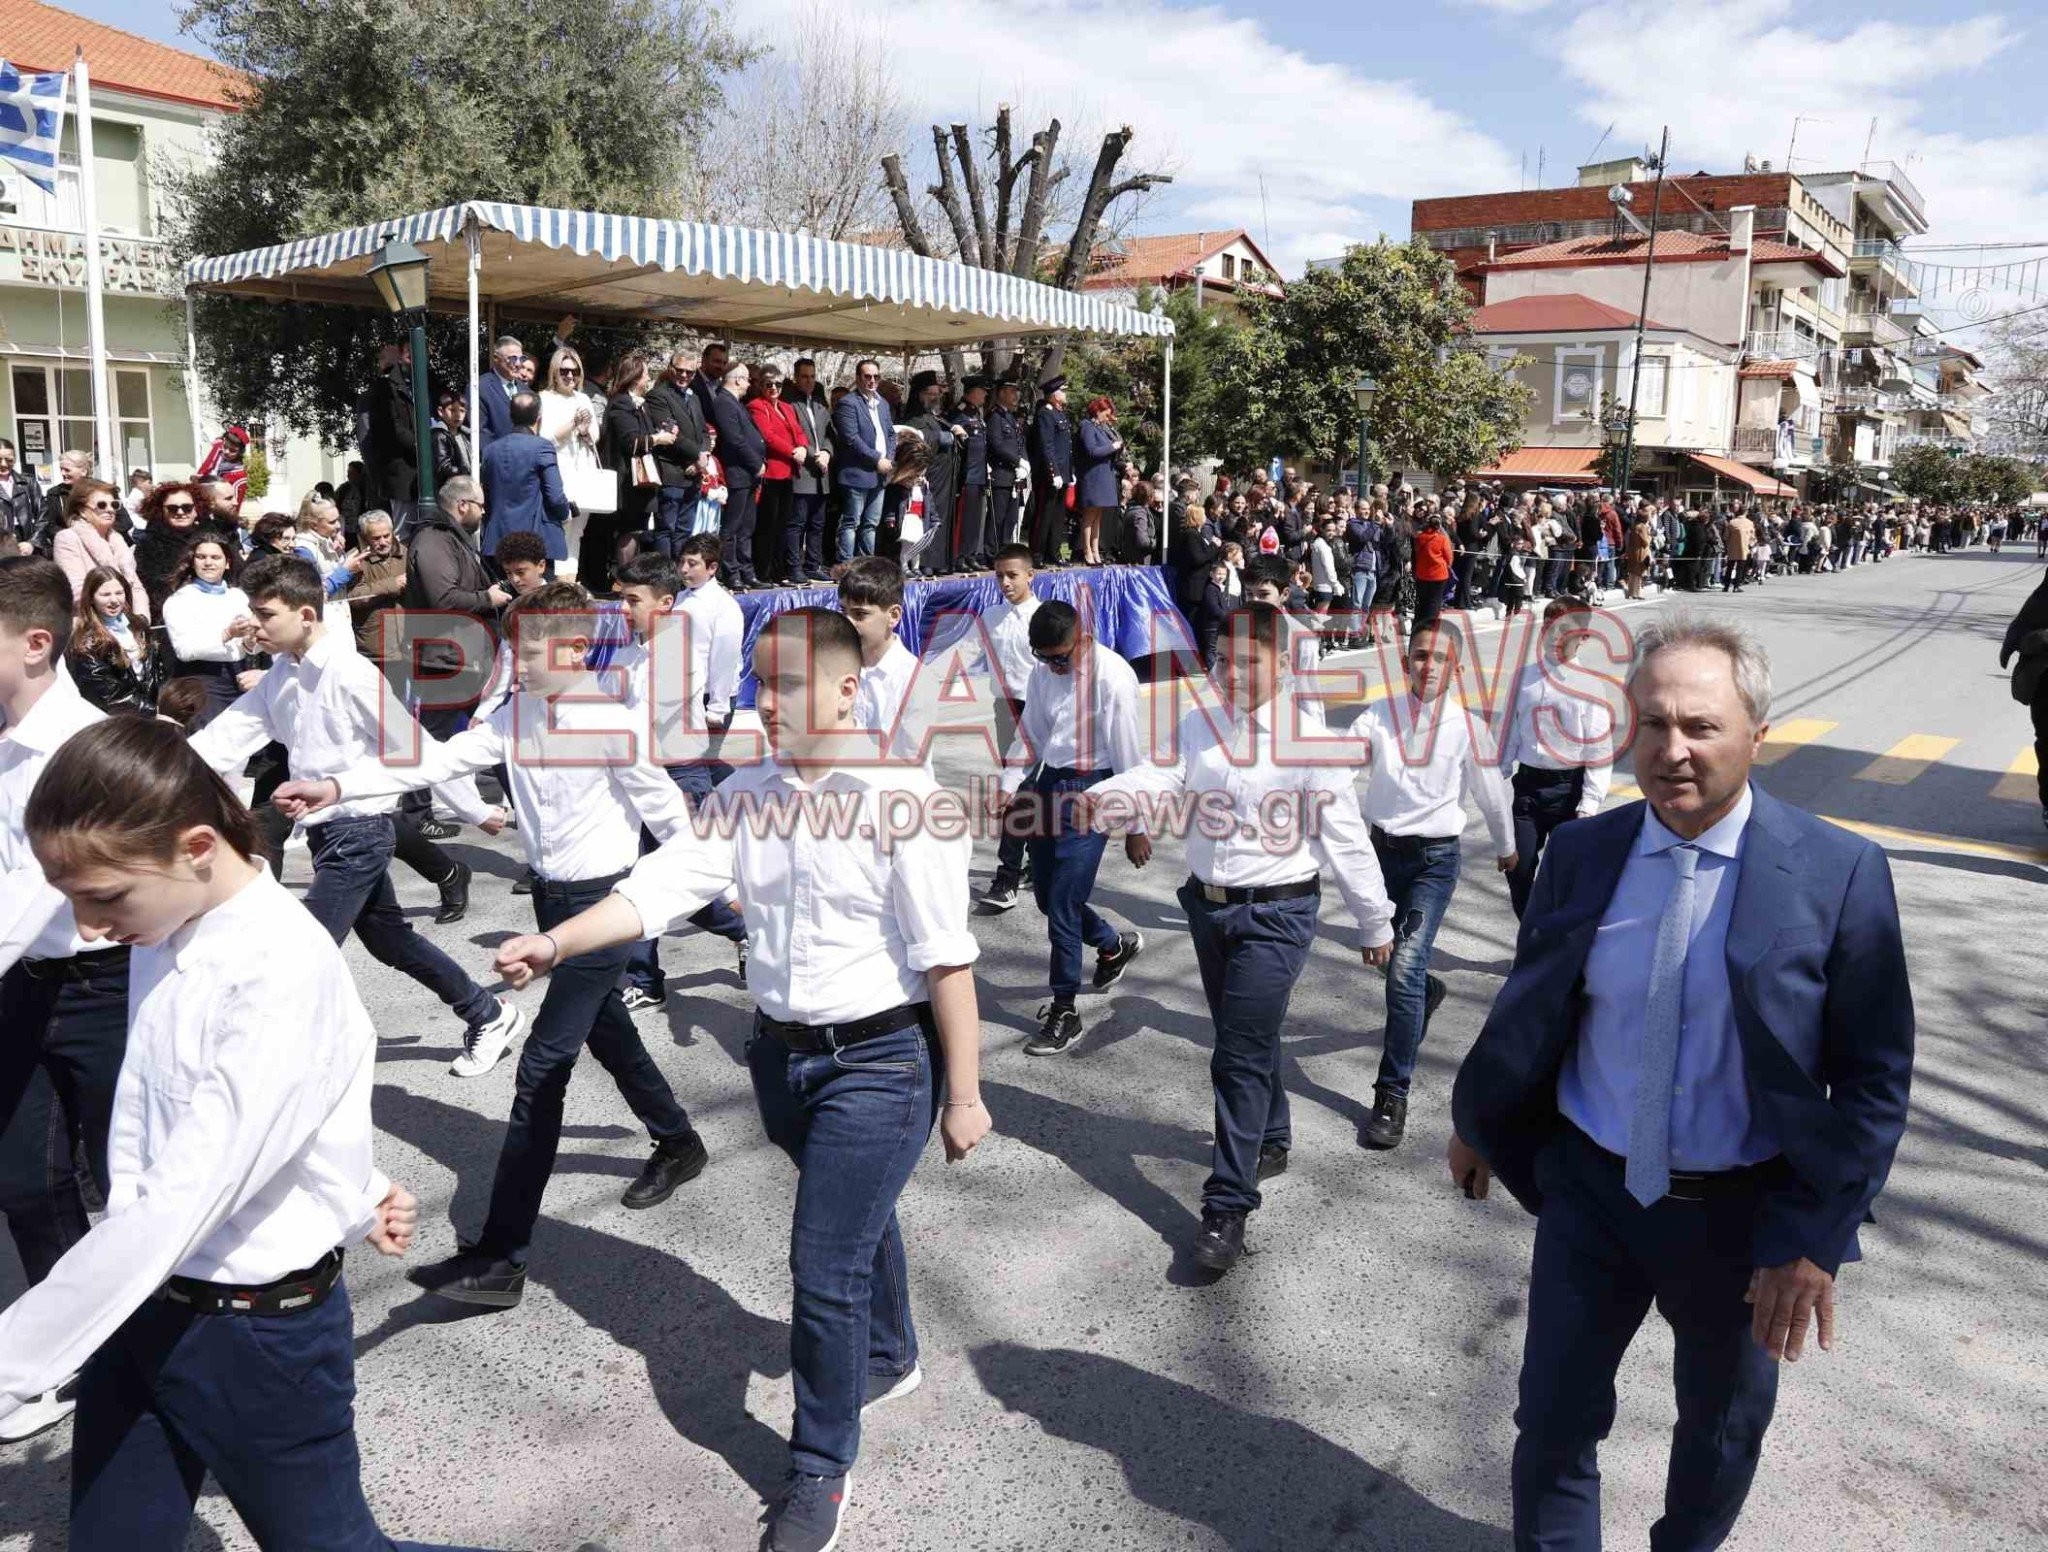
x=736, y=280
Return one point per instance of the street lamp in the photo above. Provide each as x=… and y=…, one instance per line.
x=400, y=275
x=1616, y=430
x=1364, y=391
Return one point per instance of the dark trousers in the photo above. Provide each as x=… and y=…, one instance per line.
x=975, y=548
x=772, y=503
x=803, y=539
x=697, y=781
x=1544, y=799
x=63, y=1031
x=582, y=1005
x=423, y=856
x=1250, y=957
x=1461, y=594
x=2037, y=708
x=1420, y=873
x=269, y=771
x=1601, y=1260
x=1064, y=862
x=854, y=1121
x=736, y=533
x=1006, y=512
x=1429, y=601
x=1010, y=850
x=1049, y=518
x=352, y=889
x=672, y=506
x=266, y=1403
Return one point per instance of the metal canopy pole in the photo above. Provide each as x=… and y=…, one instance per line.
x=473, y=233
x=1165, y=447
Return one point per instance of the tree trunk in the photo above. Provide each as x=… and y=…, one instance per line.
x=1024, y=262
x=1006, y=178
x=947, y=193
x=906, y=210
x=977, y=200
x=1102, y=192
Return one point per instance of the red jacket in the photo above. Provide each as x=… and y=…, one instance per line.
x=1432, y=556
x=783, y=433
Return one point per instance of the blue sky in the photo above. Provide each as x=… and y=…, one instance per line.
x=1313, y=123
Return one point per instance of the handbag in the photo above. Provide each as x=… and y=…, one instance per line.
x=593, y=490
x=645, y=474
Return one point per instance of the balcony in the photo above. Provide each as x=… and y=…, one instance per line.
x=1903, y=187
x=1770, y=221
x=1872, y=402
x=1873, y=327
x=1881, y=256
x=1783, y=345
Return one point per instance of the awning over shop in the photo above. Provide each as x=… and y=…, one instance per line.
x=1761, y=481
x=1547, y=465
x=1771, y=369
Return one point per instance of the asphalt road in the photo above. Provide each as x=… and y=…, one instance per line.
x=1351, y=1385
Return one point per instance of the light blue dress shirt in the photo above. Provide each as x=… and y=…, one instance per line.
x=1711, y=1127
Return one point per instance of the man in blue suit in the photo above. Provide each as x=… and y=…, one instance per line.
x=494, y=393
x=523, y=482
x=865, y=432
x=1696, y=1077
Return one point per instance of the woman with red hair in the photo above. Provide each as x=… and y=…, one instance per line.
x=1098, y=461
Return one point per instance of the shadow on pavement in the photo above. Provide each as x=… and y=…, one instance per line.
x=1260, y=1483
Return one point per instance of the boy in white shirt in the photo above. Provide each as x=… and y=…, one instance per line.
x=1006, y=624
x=1421, y=766
x=332, y=709
x=1559, y=743
x=861, y=970
x=871, y=598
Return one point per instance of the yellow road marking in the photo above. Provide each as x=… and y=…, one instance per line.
x=2020, y=783
x=1906, y=759
x=1784, y=737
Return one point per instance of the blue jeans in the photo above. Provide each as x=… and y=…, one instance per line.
x=66, y=1030
x=1250, y=957
x=672, y=508
x=1364, y=584
x=352, y=888
x=1420, y=876
x=860, y=514
x=582, y=1005
x=854, y=1121
x=1601, y=1260
x=266, y=1403
x=1544, y=799
x=697, y=781
x=1064, y=862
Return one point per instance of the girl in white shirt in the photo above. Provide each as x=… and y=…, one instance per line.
x=207, y=1307
x=207, y=619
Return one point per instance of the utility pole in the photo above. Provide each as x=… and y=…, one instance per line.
x=1628, y=446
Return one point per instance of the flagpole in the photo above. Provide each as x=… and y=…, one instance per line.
x=109, y=460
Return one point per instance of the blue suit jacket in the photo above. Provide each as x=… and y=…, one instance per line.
x=493, y=409
x=1822, y=1007
x=523, y=489
x=854, y=434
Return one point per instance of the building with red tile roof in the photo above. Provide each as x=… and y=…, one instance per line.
x=42, y=37
x=1226, y=263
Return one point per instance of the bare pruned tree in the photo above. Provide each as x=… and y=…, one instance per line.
x=2015, y=418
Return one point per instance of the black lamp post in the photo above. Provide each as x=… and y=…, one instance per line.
x=400, y=274
x=1365, y=390
x=1616, y=430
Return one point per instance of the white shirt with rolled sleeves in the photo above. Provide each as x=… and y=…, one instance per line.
x=1556, y=729
x=1007, y=627
x=1051, y=732
x=332, y=710
x=1425, y=796
x=718, y=636
x=847, y=912
x=35, y=920
x=197, y=619
x=583, y=782
x=881, y=703
x=240, y=1148
x=1246, y=761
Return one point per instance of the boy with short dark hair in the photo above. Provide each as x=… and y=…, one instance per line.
x=1006, y=625
x=871, y=598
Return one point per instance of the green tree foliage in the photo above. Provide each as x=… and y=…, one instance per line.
x=1284, y=383
x=366, y=109
x=1928, y=472
x=1129, y=373
x=1936, y=474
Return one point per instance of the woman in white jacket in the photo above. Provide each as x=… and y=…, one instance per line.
x=569, y=419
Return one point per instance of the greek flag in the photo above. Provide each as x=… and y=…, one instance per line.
x=31, y=119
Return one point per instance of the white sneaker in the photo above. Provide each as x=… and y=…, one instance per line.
x=45, y=1412
x=486, y=1042
x=637, y=997
x=902, y=1386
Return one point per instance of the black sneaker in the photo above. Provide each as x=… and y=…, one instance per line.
x=807, y=1517
x=1110, y=967
x=1060, y=1032
x=1388, y=1123
x=884, y=1388
x=1220, y=1242
x=454, y=895
x=672, y=1165
x=1002, y=894
x=437, y=830
x=1272, y=1160
x=472, y=1278
x=1433, y=998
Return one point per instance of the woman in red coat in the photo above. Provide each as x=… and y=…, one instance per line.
x=1432, y=567
x=787, y=444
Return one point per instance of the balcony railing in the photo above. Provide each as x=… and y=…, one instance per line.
x=1869, y=401
x=1783, y=345
x=1903, y=186
x=1879, y=328
x=1532, y=233
x=1880, y=248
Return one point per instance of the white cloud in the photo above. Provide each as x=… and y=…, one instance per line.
x=1213, y=96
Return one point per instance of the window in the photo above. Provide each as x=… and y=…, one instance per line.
x=1577, y=388
x=1230, y=266
x=53, y=414
x=1651, y=386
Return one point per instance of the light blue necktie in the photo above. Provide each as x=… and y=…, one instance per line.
x=1649, y=1135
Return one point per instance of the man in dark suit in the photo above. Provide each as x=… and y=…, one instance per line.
x=494, y=393
x=710, y=373
x=1696, y=1077
x=803, y=544
x=742, y=450
x=942, y=438
x=864, y=439
x=1008, y=465
x=393, y=449
x=974, y=552
x=672, y=403
x=1052, y=470
x=523, y=483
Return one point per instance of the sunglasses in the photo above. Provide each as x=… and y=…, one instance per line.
x=570, y=371
x=103, y=506
x=179, y=509
x=1056, y=659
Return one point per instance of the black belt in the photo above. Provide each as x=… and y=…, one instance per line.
x=1388, y=838
x=813, y=1039
x=291, y=1293
x=75, y=967
x=561, y=888
x=1258, y=894
x=1695, y=1185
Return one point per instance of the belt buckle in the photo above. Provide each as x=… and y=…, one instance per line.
x=1216, y=894
x=1694, y=1182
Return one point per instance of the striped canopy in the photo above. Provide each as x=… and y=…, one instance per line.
x=768, y=286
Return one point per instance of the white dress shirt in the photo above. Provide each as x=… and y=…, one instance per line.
x=582, y=788
x=332, y=710
x=881, y=703
x=196, y=621
x=1232, y=769
x=718, y=633
x=842, y=921
x=35, y=920
x=240, y=1144
x=1416, y=781
x=1554, y=730
x=1054, y=732
x=1008, y=629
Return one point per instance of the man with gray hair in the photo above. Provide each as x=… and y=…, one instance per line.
x=1696, y=1078
x=444, y=574
x=494, y=393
